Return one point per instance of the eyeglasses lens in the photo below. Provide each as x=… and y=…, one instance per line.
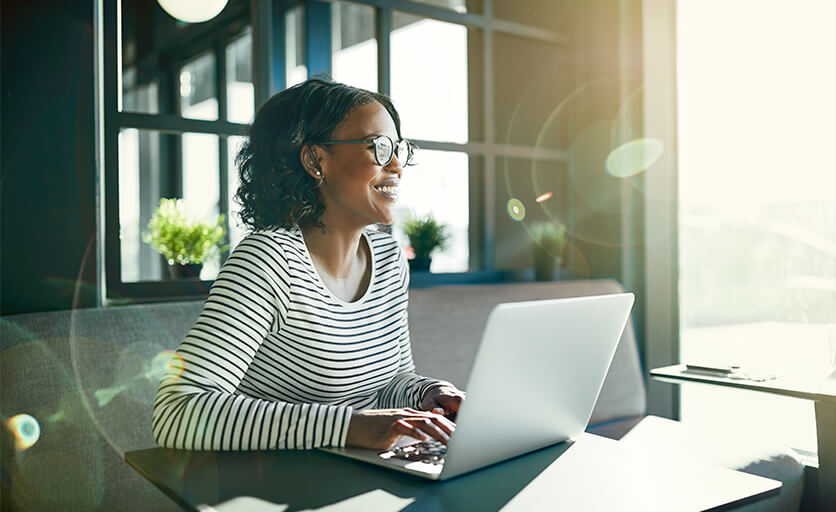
x=403, y=152
x=383, y=150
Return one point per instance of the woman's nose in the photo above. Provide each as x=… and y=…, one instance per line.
x=394, y=166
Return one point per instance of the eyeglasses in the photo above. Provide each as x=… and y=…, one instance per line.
x=384, y=148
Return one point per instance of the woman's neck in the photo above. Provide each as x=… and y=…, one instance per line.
x=337, y=252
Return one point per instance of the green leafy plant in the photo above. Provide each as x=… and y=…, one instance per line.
x=550, y=237
x=181, y=238
x=425, y=234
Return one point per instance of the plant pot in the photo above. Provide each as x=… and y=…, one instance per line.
x=420, y=263
x=191, y=271
x=544, y=265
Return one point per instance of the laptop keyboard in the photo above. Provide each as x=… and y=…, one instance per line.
x=430, y=451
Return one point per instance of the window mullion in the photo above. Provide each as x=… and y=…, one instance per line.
x=172, y=124
x=489, y=191
x=171, y=177
x=223, y=151
x=113, y=249
x=383, y=32
x=278, y=67
x=317, y=37
x=267, y=20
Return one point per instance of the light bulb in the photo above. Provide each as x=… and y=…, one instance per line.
x=193, y=11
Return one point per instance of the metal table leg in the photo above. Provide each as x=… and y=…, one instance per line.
x=826, y=434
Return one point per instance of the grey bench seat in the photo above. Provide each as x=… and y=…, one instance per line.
x=85, y=375
x=89, y=378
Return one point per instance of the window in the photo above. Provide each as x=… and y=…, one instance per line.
x=186, y=93
x=296, y=68
x=178, y=98
x=139, y=172
x=429, y=77
x=438, y=185
x=429, y=87
x=757, y=194
x=198, y=97
x=240, y=93
x=354, y=46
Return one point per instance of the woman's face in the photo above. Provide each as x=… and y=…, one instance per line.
x=351, y=176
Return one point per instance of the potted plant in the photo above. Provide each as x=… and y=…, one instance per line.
x=425, y=234
x=549, y=243
x=186, y=242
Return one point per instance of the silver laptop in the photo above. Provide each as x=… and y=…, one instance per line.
x=536, y=378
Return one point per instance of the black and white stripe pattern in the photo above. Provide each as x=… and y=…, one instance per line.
x=276, y=361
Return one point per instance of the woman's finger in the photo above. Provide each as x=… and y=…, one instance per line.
x=439, y=419
x=430, y=428
x=444, y=423
x=404, y=428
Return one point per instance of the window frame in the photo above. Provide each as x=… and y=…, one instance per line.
x=182, y=48
x=268, y=78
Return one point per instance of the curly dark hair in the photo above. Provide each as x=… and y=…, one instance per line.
x=275, y=190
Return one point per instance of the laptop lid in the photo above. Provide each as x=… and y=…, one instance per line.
x=536, y=377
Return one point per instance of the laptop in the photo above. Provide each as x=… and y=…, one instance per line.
x=536, y=378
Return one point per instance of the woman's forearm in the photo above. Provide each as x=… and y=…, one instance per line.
x=188, y=418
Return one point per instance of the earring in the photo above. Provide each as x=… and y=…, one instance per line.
x=318, y=173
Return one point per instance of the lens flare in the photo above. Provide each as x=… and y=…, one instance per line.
x=104, y=396
x=633, y=157
x=516, y=209
x=167, y=362
x=583, y=127
x=25, y=429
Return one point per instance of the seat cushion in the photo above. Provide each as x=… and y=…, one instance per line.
x=86, y=377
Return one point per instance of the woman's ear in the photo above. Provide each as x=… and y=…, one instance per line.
x=309, y=155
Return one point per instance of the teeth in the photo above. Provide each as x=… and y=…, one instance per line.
x=388, y=190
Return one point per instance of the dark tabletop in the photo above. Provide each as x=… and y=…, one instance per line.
x=590, y=474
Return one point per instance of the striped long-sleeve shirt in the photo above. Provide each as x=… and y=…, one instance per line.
x=276, y=361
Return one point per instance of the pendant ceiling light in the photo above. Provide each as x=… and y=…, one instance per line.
x=193, y=11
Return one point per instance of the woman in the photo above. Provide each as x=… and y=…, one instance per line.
x=303, y=341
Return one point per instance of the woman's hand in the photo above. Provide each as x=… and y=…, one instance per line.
x=380, y=429
x=445, y=400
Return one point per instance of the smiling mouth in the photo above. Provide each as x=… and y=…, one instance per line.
x=388, y=192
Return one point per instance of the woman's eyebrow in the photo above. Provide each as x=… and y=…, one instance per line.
x=371, y=136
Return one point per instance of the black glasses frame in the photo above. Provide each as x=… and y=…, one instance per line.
x=376, y=141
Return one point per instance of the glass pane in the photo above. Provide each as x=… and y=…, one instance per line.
x=757, y=199
x=294, y=44
x=139, y=91
x=236, y=228
x=198, y=96
x=429, y=78
x=530, y=194
x=140, y=160
x=201, y=183
x=438, y=184
x=138, y=97
x=539, y=101
x=354, y=56
x=142, y=182
x=240, y=94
